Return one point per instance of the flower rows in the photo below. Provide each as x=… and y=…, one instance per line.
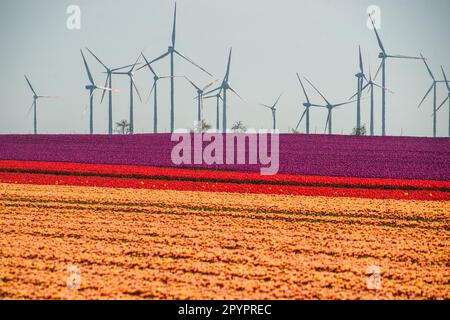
x=313, y=155
x=167, y=173
x=131, y=243
x=52, y=179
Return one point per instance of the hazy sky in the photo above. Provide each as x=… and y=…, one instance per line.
x=271, y=41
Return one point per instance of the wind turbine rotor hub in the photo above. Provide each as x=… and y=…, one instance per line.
x=306, y=105
x=381, y=55
x=170, y=49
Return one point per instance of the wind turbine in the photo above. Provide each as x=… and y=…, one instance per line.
x=154, y=89
x=434, y=88
x=130, y=74
x=172, y=51
x=307, y=105
x=218, y=98
x=108, y=83
x=34, y=104
x=91, y=87
x=383, y=56
x=360, y=79
x=446, y=99
x=370, y=84
x=223, y=88
x=199, y=98
x=273, y=108
x=329, y=107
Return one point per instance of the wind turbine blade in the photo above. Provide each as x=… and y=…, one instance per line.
x=193, y=84
x=265, y=105
x=127, y=66
x=326, y=122
x=445, y=78
x=97, y=58
x=136, y=88
x=380, y=44
x=303, y=88
x=404, y=57
x=147, y=64
x=357, y=92
x=29, y=109
x=174, y=25
x=160, y=57
x=31, y=87
x=367, y=85
x=276, y=102
x=209, y=84
x=361, y=67
x=103, y=88
x=301, y=118
x=445, y=100
x=370, y=75
x=234, y=91
x=210, y=91
x=167, y=77
x=150, y=94
x=227, y=73
x=364, y=87
x=378, y=71
x=192, y=62
x=48, y=97
x=134, y=65
x=318, y=105
x=365, y=78
x=106, y=83
x=87, y=69
x=343, y=103
x=381, y=87
x=318, y=91
x=428, y=68
x=425, y=96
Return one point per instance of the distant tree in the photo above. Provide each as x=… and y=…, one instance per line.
x=238, y=126
x=204, y=126
x=360, y=132
x=123, y=127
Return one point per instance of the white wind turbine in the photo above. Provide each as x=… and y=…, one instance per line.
x=91, y=87
x=130, y=73
x=36, y=97
x=273, y=108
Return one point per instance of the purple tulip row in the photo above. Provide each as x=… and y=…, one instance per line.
x=325, y=155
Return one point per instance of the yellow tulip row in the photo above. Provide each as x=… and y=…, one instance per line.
x=179, y=244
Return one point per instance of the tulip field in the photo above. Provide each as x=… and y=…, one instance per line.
x=139, y=227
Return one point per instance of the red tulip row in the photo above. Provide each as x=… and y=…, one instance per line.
x=146, y=183
x=202, y=175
